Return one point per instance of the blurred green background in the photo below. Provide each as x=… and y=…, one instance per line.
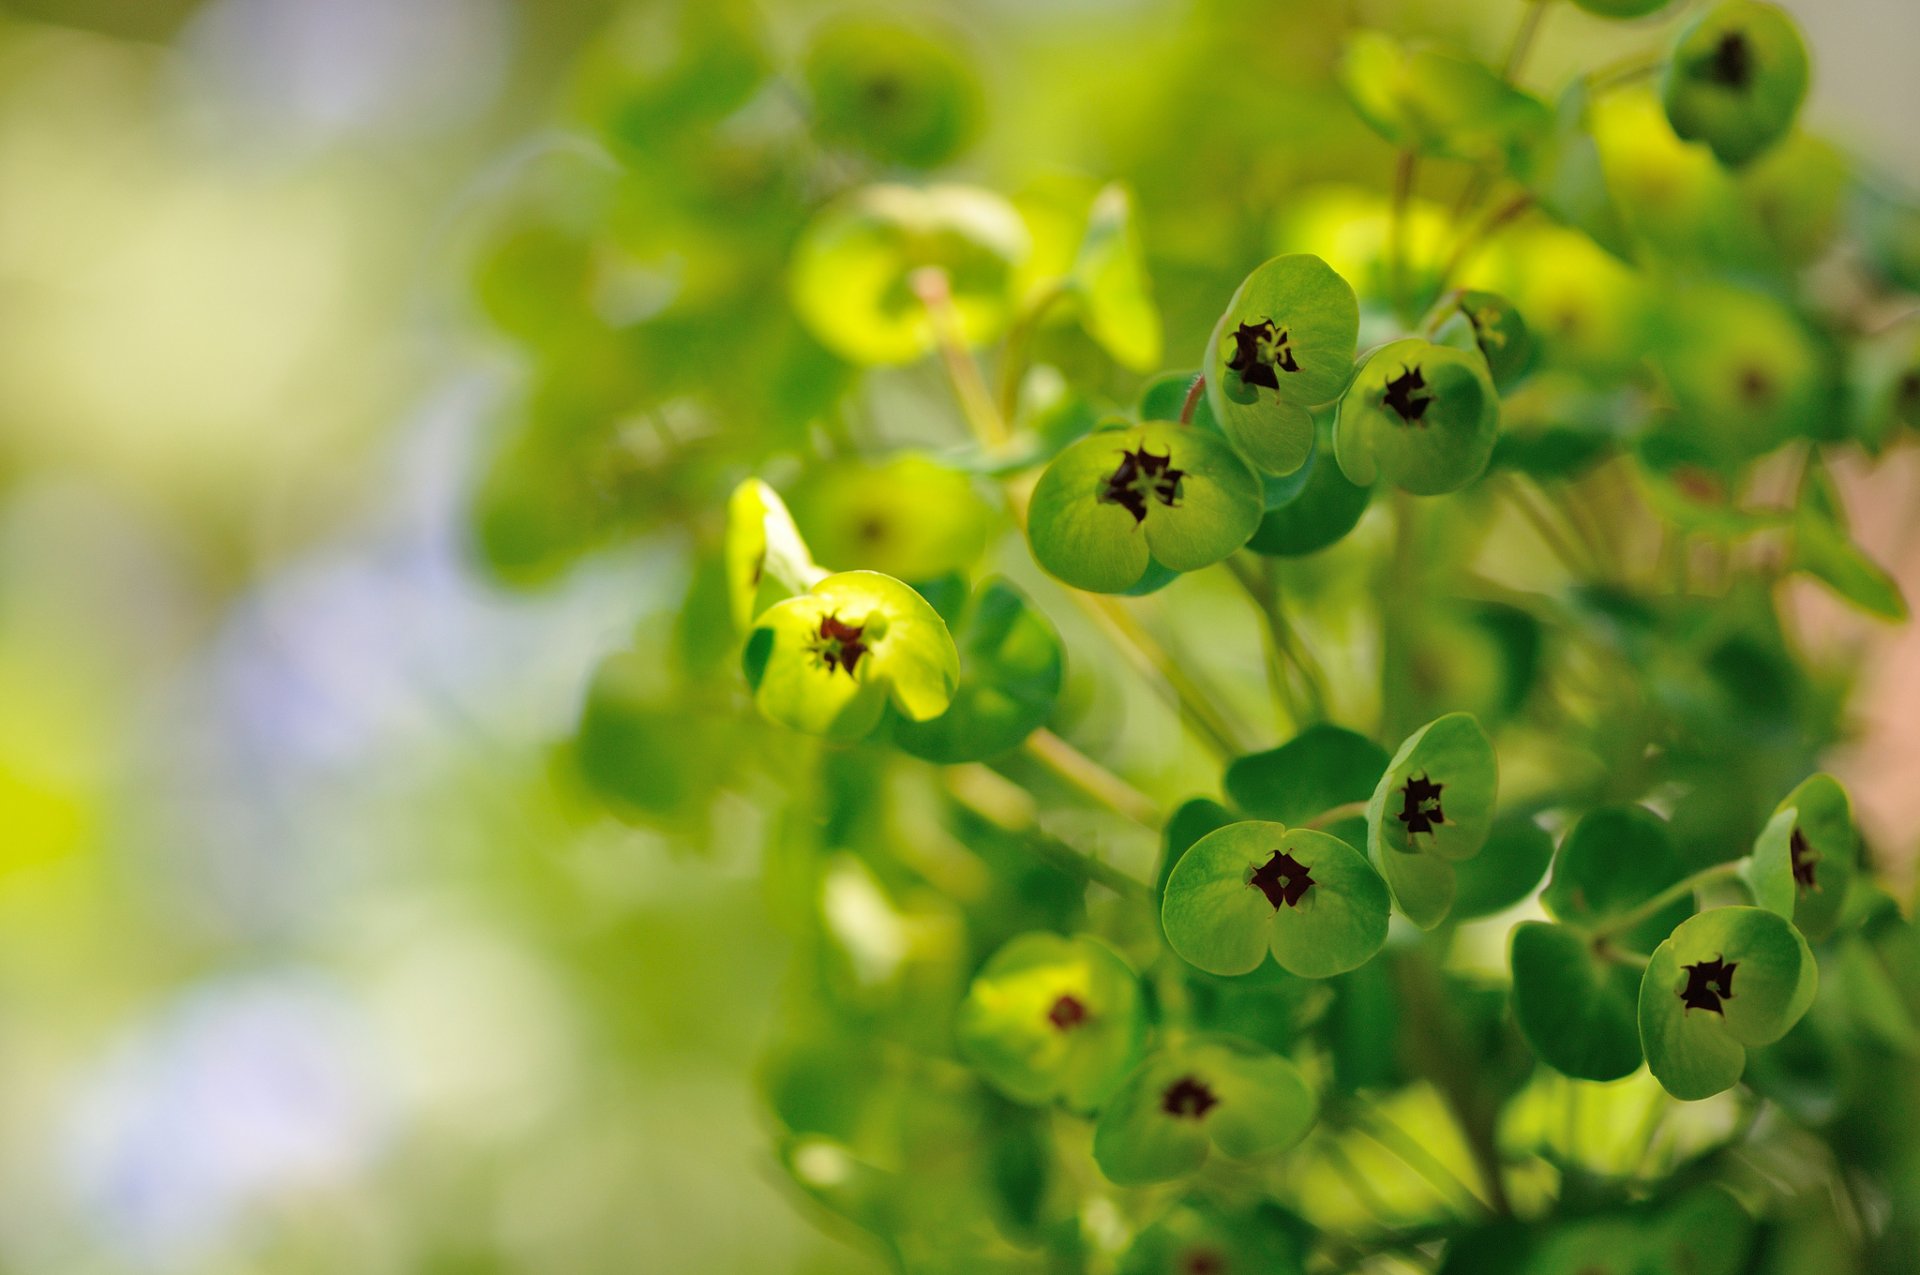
x=306, y=963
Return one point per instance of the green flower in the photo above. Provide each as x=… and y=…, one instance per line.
x=829, y=661
x=1053, y=1018
x=1124, y=501
x=1434, y=807
x=908, y=516
x=901, y=96
x=1822, y=853
x=853, y=274
x=1420, y=415
x=1736, y=79
x=1284, y=345
x=1622, y=8
x=1578, y=1011
x=1725, y=981
x=1469, y=319
x=1250, y=888
x=1198, y=1094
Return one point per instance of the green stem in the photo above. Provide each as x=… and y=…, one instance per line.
x=936, y=293
x=1525, y=501
x=1523, y=38
x=1263, y=590
x=1009, y=807
x=1406, y=170
x=1472, y=240
x=1089, y=777
x=1016, y=355
x=1164, y=673
x=1192, y=401
x=1410, y=1151
x=1662, y=901
x=1334, y=814
x=1397, y=617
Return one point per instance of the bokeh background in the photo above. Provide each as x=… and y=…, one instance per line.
x=306, y=963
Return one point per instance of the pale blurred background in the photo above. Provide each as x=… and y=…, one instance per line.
x=303, y=967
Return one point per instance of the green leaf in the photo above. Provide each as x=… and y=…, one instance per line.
x=1011, y=668
x=1578, y=1012
x=1568, y=178
x=1122, y=500
x=1197, y=1094
x=1322, y=767
x=1724, y=981
x=1437, y=102
x=1051, y=1018
x=1622, y=8
x=1432, y=808
x=1612, y=861
x=894, y=93
x=1284, y=345
x=1768, y=871
x=852, y=277
x=1828, y=554
x=909, y=517
x=1420, y=415
x=1252, y=887
x=829, y=661
x=637, y=749
x=1505, y=871
x=1193, y=820
x=766, y=560
x=1322, y=507
x=1110, y=282
x=1736, y=78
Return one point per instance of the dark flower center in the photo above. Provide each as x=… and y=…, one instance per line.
x=839, y=645
x=1420, y=805
x=1283, y=879
x=1731, y=62
x=1188, y=1097
x=1142, y=476
x=1806, y=864
x=1408, y=396
x=1708, y=983
x=1203, y=1261
x=1067, y=1013
x=1261, y=352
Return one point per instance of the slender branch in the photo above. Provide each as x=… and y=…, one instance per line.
x=1662, y=901
x=1334, y=814
x=1164, y=673
x=1192, y=401
x=1523, y=38
x=1281, y=637
x=1414, y=1154
x=1009, y=807
x=1472, y=240
x=1624, y=72
x=1406, y=170
x=1524, y=502
x=930, y=283
x=1016, y=354
x=1089, y=777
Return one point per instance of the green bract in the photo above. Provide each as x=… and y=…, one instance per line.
x=1197, y=1237
x=1437, y=102
x=853, y=275
x=1613, y=860
x=1505, y=871
x=1736, y=78
x=1123, y=501
x=1285, y=344
x=1577, y=1010
x=1622, y=8
x=1250, y=888
x=900, y=96
x=1470, y=319
x=1322, y=767
x=1823, y=853
x=1051, y=1018
x=1432, y=808
x=1011, y=667
x=1197, y=1094
x=766, y=560
x=1420, y=415
x=1743, y=370
x=829, y=661
x=1315, y=507
x=1109, y=282
x=908, y=517
x=1726, y=980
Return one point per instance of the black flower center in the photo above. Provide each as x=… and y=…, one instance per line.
x=1806, y=864
x=1730, y=65
x=1708, y=983
x=1068, y=1012
x=1261, y=352
x=1408, y=396
x=1141, y=476
x=1189, y=1097
x=839, y=644
x=1420, y=805
x=1283, y=879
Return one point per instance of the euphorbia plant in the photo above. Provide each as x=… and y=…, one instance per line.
x=1527, y=809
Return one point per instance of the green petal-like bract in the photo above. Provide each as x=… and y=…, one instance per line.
x=1736, y=78
x=1052, y=1018
x=1422, y=416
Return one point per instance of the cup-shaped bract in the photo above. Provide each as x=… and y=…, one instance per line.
x=1823, y=853
x=1250, y=888
x=853, y=274
x=829, y=661
x=1052, y=1018
x=1195, y=1237
x=1724, y=981
x=900, y=95
x=1473, y=319
x=1110, y=283
x=1422, y=416
x=1434, y=807
x=1577, y=1011
x=1612, y=861
x=1284, y=345
x=1736, y=78
x=765, y=558
x=1011, y=669
x=1197, y=1094
x=1123, y=501
x=1744, y=371
x=1622, y=8
x=908, y=516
